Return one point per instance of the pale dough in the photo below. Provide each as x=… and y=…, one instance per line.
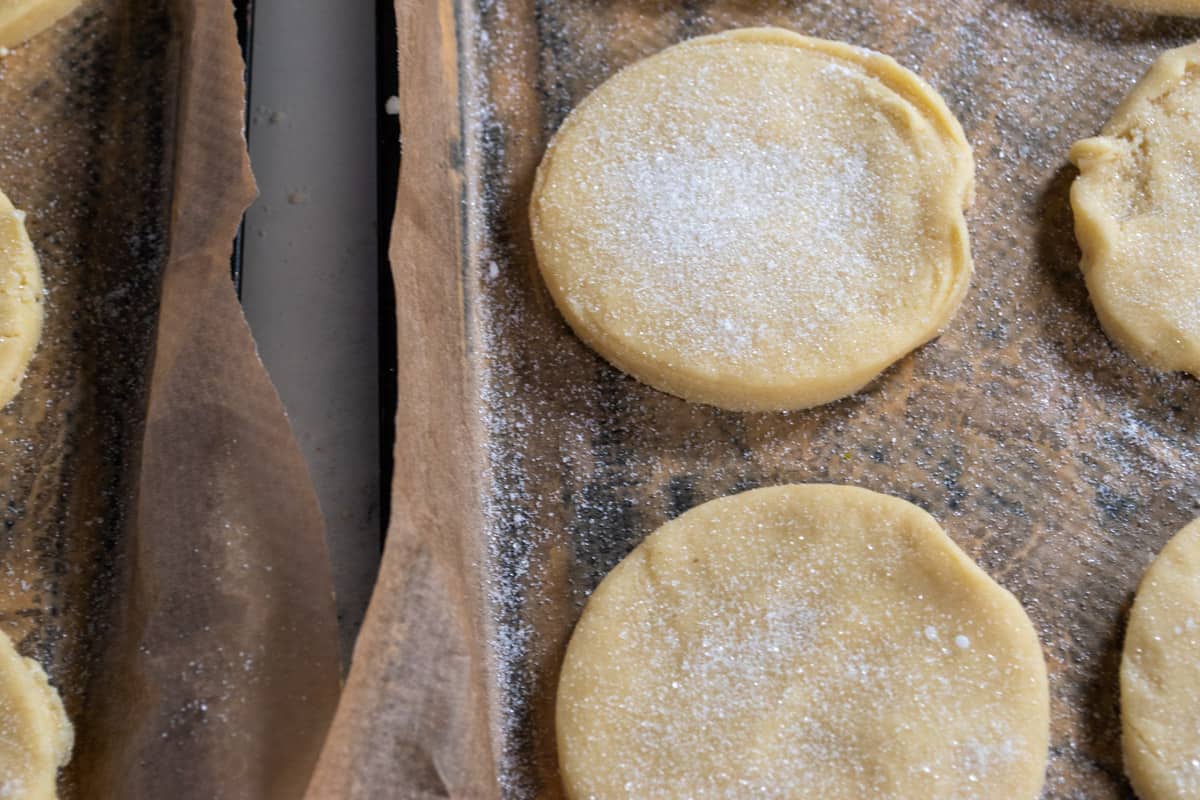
x=756, y=219
x=1189, y=8
x=20, y=300
x=1160, y=675
x=1137, y=216
x=35, y=735
x=23, y=19
x=802, y=642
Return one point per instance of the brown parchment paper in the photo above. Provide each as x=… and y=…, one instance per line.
x=527, y=467
x=162, y=552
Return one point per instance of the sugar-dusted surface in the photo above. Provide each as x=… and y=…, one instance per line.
x=35, y=735
x=759, y=220
x=75, y=104
x=802, y=640
x=20, y=299
x=1055, y=461
x=1137, y=202
x=1160, y=674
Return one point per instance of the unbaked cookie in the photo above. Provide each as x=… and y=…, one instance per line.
x=20, y=300
x=35, y=735
x=23, y=19
x=1137, y=216
x=802, y=641
x=756, y=219
x=1160, y=675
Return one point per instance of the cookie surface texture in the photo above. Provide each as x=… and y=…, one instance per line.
x=1137, y=216
x=1160, y=675
x=21, y=20
x=35, y=735
x=756, y=220
x=20, y=300
x=802, y=642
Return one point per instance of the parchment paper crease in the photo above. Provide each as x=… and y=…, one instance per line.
x=413, y=721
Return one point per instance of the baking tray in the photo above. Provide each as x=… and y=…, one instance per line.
x=162, y=547
x=531, y=466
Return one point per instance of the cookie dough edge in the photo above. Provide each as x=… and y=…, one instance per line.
x=44, y=707
x=959, y=193
x=1090, y=220
x=921, y=520
x=35, y=19
x=17, y=351
x=1143, y=766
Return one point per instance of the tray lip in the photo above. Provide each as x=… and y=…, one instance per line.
x=421, y=652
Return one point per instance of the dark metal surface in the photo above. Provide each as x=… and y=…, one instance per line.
x=244, y=14
x=388, y=132
x=388, y=145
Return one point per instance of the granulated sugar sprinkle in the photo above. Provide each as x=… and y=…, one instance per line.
x=1058, y=464
x=773, y=669
x=759, y=223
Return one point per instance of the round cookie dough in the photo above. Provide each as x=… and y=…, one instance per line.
x=802, y=642
x=756, y=219
x=1160, y=675
x=35, y=735
x=20, y=300
x=1188, y=8
x=1137, y=216
x=23, y=19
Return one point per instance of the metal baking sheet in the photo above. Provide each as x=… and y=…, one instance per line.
x=527, y=466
